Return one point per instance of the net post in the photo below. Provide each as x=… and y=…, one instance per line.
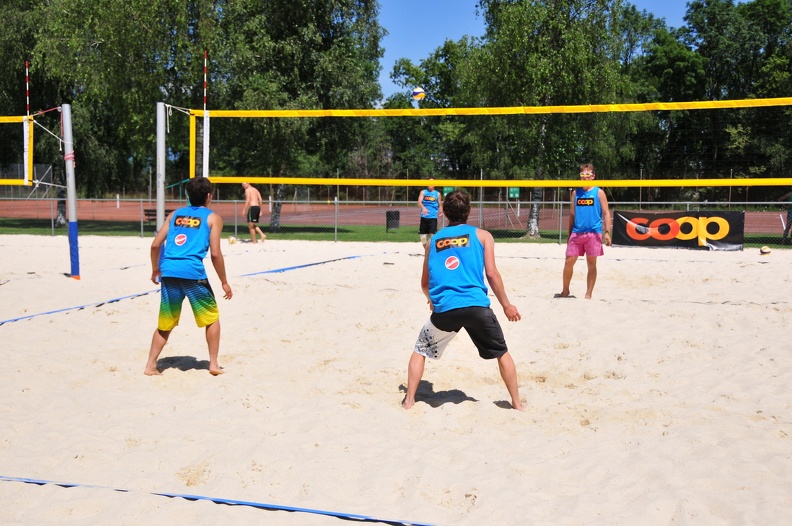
x=160, y=165
x=68, y=157
x=28, y=130
x=192, y=145
x=27, y=148
x=205, y=152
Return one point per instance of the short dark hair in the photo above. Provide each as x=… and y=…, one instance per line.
x=197, y=189
x=456, y=206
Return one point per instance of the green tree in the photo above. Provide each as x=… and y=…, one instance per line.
x=558, y=52
x=769, y=131
x=18, y=38
x=676, y=74
x=303, y=54
x=734, y=44
x=431, y=146
x=115, y=61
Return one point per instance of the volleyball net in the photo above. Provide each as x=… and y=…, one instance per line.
x=762, y=113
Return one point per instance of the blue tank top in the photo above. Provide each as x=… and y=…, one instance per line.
x=588, y=211
x=187, y=243
x=431, y=200
x=456, y=269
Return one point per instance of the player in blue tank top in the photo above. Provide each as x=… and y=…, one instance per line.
x=456, y=269
x=186, y=243
x=177, y=254
x=431, y=209
x=587, y=211
x=455, y=263
x=588, y=215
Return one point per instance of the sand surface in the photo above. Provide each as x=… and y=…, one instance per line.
x=663, y=400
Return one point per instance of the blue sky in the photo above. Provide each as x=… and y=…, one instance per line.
x=417, y=29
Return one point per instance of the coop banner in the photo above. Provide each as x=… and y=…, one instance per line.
x=695, y=230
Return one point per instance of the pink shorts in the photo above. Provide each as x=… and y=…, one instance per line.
x=585, y=244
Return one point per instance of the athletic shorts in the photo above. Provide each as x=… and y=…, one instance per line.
x=428, y=225
x=584, y=244
x=480, y=323
x=202, y=301
x=253, y=214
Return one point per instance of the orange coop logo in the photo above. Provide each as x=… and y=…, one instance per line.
x=188, y=222
x=452, y=242
x=681, y=228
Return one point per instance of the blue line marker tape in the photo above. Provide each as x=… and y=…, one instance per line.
x=284, y=269
x=79, y=307
x=114, y=300
x=231, y=502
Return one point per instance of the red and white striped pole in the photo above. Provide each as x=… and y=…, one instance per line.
x=27, y=89
x=204, y=98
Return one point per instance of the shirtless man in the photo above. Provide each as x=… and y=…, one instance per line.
x=252, y=210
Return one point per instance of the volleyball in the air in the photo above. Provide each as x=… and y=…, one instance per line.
x=765, y=250
x=232, y=240
x=418, y=93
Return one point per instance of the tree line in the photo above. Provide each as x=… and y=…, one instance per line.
x=113, y=60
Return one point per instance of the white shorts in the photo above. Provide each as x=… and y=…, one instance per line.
x=432, y=341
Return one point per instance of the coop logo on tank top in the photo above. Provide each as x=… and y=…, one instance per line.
x=188, y=222
x=452, y=242
x=452, y=263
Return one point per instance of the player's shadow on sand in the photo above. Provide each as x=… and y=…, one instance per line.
x=427, y=395
x=182, y=363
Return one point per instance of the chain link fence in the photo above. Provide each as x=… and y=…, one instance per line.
x=355, y=220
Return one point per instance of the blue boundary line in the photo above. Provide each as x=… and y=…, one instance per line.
x=284, y=269
x=79, y=307
x=231, y=502
x=114, y=300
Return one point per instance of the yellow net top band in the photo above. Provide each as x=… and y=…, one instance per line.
x=524, y=183
x=515, y=110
